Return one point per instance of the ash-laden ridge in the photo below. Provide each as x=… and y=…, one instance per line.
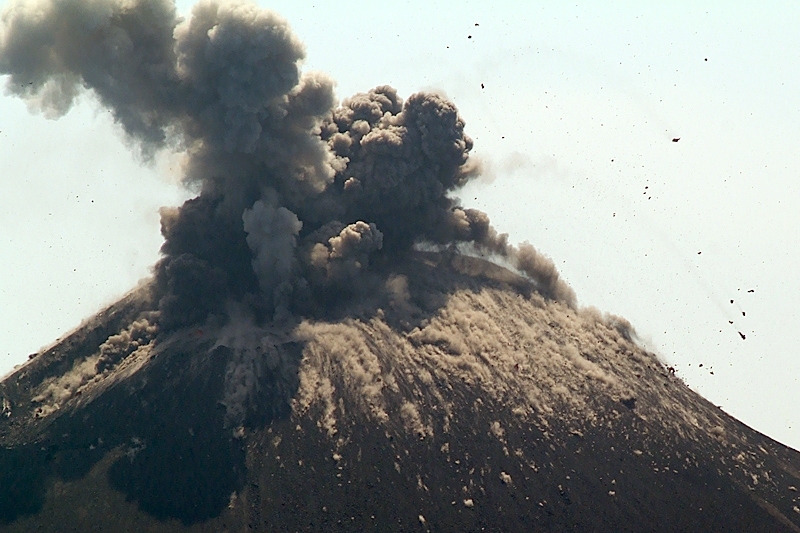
x=457, y=399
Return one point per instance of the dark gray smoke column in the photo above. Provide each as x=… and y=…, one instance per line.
x=298, y=197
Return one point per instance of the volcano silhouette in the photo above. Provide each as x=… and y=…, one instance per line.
x=459, y=400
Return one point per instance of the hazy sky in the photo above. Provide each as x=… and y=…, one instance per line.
x=573, y=110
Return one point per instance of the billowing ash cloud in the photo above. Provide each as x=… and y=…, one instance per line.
x=299, y=198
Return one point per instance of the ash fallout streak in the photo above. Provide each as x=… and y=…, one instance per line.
x=301, y=201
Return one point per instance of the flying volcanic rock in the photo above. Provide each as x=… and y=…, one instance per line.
x=319, y=348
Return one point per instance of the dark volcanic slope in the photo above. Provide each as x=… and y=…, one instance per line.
x=465, y=402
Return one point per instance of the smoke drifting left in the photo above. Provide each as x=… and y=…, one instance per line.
x=301, y=200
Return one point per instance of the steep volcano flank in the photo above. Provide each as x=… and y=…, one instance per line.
x=457, y=398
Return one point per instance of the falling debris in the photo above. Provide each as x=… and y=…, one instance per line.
x=751, y=290
x=676, y=139
x=742, y=335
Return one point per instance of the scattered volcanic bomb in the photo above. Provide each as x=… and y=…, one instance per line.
x=321, y=347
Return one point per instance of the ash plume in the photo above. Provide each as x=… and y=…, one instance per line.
x=300, y=199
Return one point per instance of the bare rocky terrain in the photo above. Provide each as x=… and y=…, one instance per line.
x=462, y=401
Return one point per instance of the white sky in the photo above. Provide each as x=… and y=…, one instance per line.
x=576, y=117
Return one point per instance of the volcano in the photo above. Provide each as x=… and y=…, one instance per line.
x=458, y=400
x=330, y=340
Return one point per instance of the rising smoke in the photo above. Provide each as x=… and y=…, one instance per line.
x=300, y=199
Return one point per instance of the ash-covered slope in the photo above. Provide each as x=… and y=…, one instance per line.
x=457, y=399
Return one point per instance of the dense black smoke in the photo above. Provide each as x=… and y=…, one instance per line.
x=300, y=200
